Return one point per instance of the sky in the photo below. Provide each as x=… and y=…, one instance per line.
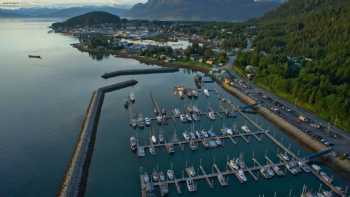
x=55, y=3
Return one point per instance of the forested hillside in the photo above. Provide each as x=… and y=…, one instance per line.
x=302, y=52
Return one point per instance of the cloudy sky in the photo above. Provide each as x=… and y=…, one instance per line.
x=34, y=3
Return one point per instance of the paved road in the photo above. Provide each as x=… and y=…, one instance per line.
x=327, y=133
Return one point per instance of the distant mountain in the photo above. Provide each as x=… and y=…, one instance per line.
x=58, y=12
x=201, y=10
x=88, y=19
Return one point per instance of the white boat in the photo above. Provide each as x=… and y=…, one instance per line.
x=193, y=136
x=218, y=141
x=211, y=115
x=133, y=123
x=227, y=131
x=195, y=117
x=245, y=128
x=204, y=133
x=155, y=176
x=206, y=92
x=241, y=175
x=154, y=139
x=186, y=136
x=317, y=168
x=133, y=143
x=152, y=150
x=132, y=97
x=198, y=134
x=284, y=156
x=194, y=93
x=188, y=117
x=183, y=118
x=147, y=121
x=170, y=174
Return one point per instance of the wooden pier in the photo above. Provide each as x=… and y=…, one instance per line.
x=179, y=143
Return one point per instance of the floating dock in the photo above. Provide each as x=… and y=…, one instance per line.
x=139, y=72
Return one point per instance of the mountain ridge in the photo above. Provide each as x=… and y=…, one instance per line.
x=58, y=12
x=201, y=10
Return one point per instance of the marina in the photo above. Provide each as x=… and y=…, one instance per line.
x=204, y=120
x=289, y=161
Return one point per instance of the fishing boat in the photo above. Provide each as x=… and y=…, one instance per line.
x=191, y=186
x=194, y=93
x=186, y=136
x=152, y=150
x=155, y=176
x=198, y=134
x=188, y=117
x=211, y=115
x=195, y=117
x=270, y=172
x=317, y=168
x=206, y=92
x=163, y=111
x=277, y=170
x=264, y=172
x=153, y=139
x=218, y=141
x=161, y=138
x=304, y=166
x=193, y=136
x=204, y=134
x=183, y=118
x=191, y=172
x=227, y=131
x=133, y=143
x=147, y=121
x=326, y=177
x=141, y=151
x=284, y=156
x=211, y=133
x=133, y=123
x=242, y=175
x=170, y=174
x=159, y=119
x=176, y=112
x=132, y=97
x=148, y=185
x=245, y=128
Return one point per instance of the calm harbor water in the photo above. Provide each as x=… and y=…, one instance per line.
x=43, y=101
